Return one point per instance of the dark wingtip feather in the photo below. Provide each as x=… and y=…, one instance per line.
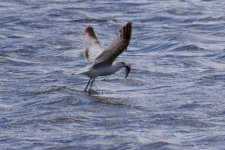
x=126, y=32
x=89, y=30
x=86, y=53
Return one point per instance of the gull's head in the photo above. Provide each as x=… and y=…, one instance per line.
x=120, y=65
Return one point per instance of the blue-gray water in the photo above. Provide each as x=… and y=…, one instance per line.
x=174, y=97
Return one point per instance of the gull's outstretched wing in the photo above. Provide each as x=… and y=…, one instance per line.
x=92, y=47
x=116, y=47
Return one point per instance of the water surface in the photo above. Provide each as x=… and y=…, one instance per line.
x=173, y=98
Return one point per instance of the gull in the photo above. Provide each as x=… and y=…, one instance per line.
x=102, y=59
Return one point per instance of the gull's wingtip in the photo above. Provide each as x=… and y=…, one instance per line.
x=88, y=28
x=126, y=32
x=129, y=23
x=90, y=32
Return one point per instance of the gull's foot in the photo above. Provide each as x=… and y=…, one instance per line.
x=92, y=92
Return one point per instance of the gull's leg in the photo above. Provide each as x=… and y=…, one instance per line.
x=87, y=85
x=91, y=84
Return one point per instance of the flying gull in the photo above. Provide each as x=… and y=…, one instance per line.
x=102, y=59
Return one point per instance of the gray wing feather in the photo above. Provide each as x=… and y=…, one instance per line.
x=118, y=45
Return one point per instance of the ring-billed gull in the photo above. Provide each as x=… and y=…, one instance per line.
x=103, y=59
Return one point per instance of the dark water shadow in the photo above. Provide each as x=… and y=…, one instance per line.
x=63, y=96
x=176, y=120
x=100, y=97
x=158, y=145
x=77, y=119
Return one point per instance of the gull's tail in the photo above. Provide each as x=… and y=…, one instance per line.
x=82, y=72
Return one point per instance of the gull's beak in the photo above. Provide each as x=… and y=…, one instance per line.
x=127, y=70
